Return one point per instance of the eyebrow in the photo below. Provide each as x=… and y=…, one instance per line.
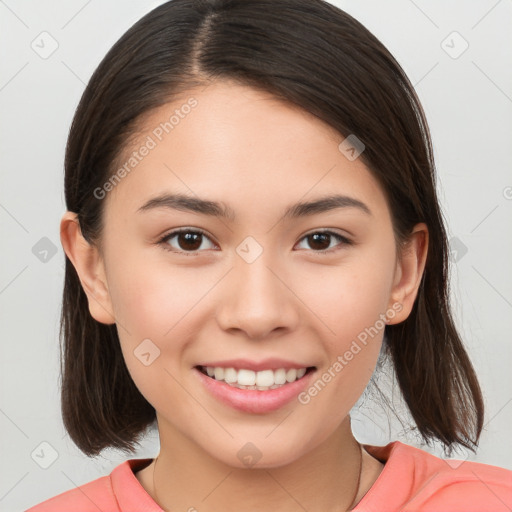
x=212, y=208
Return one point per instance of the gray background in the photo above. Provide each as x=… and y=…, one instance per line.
x=468, y=101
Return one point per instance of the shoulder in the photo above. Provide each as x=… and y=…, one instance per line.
x=463, y=485
x=415, y=480
x=90, y=497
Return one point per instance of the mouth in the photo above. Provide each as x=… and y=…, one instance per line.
x=255, y=392
x=263, y=380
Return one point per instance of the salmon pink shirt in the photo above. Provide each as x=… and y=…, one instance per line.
x=412, y=480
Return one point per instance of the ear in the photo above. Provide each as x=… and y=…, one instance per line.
x=89, y=266
x=408, y=273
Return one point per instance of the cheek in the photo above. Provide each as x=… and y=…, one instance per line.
x=350, y=304
x=158, y=302
x=155, y=306
x=351, y=300
x=153, y=298
x=351, y=296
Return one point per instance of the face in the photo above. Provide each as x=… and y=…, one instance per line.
x=312, y=288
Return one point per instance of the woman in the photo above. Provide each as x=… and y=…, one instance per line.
x=252, y=221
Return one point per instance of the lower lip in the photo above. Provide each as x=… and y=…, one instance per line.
x=252, y=400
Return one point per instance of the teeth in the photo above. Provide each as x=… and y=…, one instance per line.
x=249, y=379
x=291, y=375
x=230, y=375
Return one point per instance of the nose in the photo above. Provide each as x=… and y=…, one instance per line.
x=257, y=299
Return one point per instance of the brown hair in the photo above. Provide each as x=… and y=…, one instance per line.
x=308, y=53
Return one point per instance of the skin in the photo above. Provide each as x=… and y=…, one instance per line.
x=256, y=154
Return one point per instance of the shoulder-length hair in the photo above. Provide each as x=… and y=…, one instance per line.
x=313, y=55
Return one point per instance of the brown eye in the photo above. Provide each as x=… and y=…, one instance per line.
x=184, y=240
x=189, y=241
x=320, y=241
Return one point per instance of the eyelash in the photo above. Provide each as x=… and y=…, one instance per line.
x=163, y=241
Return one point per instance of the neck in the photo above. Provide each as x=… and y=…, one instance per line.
x=328, y=477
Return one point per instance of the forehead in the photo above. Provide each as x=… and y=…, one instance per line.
x=237, y=144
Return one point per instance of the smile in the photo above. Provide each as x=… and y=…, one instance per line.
x=250, y=379
x=254, y=398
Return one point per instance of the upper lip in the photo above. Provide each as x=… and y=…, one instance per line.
x=272, y=363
